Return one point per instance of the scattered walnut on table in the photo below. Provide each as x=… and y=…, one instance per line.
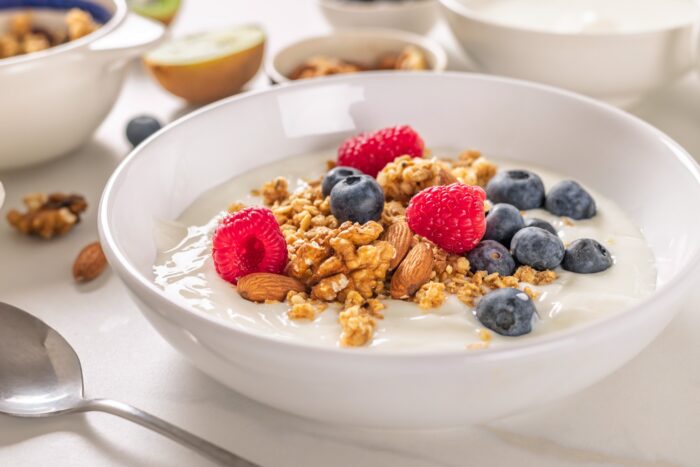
x=48, y=216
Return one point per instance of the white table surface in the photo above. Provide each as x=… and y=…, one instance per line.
x=645, y=415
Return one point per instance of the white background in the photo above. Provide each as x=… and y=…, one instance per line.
x=645, y=415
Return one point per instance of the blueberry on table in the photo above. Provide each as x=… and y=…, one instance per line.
x=570, y=199
x=334, y=176
x=537, y=248
x=491, y=256
x=140, y=128
x=357, y=198
x=521, y=188
x=507, y=312
x=503, y=221
x=542, y=224
x=587, y=256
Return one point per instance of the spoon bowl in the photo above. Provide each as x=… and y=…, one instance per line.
x=40, y=372
x=41, y=376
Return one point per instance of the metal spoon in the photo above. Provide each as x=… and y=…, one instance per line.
x=40, y=376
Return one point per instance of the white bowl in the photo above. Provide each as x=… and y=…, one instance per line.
x=364, y=46
x=417, y=16
x=618, y=68
x=55, y=99
x=647, y=173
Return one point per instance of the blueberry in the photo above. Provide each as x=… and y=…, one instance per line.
x=502, y=223
x=542, y=224
x=140, y=128
x=537, y=248
x=491, y=256
x=507, y=312
x=521, y=188
x=570, y=199
x=334, y=176
x=357, y=198
x=586, y=256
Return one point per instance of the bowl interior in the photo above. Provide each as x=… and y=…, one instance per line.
x=362, y=47
x=645, y=172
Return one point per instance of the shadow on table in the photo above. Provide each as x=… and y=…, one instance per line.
x=14, y=431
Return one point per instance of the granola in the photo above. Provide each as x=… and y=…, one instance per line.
x=409, y=58
x=24, y=36
x=349, y=264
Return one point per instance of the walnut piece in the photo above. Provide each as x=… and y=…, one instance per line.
x=406, y=176
x=324, y=66
x=48, y=216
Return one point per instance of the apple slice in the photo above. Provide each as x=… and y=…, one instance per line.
x=159, y=10
x=208, y=66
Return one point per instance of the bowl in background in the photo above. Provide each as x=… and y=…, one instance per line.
x=364, y=46
x=417, y=16
x=606, y=149
x=56, y=98
x=617, y=67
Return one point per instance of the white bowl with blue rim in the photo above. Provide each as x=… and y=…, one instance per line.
x=53, y=100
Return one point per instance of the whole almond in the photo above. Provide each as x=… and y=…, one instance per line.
x=413, y=272
x=90, y=263
x=399, y=235
x=261, y=286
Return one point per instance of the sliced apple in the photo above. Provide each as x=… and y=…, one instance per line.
x=159, y=10
x=208, y=66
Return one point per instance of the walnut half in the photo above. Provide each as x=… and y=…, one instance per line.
x=48, y=216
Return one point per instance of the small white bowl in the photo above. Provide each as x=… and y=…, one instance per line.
x=55, y=99
x=364, y=46
x=650, y=176
x=617, y=67
x=417, y=16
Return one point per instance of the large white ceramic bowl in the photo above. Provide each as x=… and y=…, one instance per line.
x=363, y=46
x=617, y=67
x=52, y=101
x=417, y=16
x=642, y=169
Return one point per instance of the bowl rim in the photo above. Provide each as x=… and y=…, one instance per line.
x=120, y=12
x=459, y=8
x=346, y=6
x=590, y=332
x=427, y=44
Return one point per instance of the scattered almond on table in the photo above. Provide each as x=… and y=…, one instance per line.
x=90, y=263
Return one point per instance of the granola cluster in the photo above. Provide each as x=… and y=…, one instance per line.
x=47, y=216
x=410, y=58
x=406, y=176
x=23, y=36
x=350, y=265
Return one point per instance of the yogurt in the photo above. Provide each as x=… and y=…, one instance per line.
x=587, y=16
x=185, y=271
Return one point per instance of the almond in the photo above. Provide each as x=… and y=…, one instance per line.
x=90, y=263
x=261, y=286
x=413, y=272
x=399, y=235
x=446, y=177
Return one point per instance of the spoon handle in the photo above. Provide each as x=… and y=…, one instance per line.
x=205, y=448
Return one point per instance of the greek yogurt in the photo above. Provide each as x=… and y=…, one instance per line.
x=185, y=271
x=587, y=16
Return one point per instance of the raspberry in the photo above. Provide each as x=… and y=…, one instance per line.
x=451, y=216
x=248, y=241
x=370, y=152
